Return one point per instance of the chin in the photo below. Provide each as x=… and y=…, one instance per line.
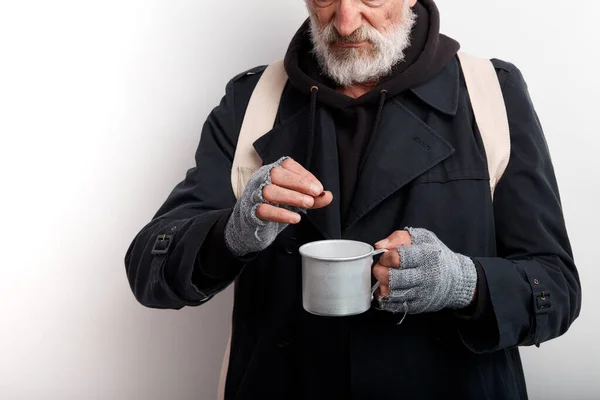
x=352, y=53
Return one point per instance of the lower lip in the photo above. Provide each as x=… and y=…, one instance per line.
x=351, y=45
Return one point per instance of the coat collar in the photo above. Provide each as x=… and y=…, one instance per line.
x=442, y=91
x=404, y=148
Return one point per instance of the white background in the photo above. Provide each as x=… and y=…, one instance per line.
x=101, y=106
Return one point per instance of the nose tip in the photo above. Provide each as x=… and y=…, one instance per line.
x=347, y=19
x=345, y=30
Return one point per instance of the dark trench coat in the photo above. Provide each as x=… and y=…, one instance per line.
x=427, y=168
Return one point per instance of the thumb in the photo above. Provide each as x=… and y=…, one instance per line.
x=398, y=238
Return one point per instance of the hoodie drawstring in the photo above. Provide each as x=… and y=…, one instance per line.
x=363, y=159
x=311, y=138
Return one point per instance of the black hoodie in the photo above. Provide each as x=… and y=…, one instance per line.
x=356, y=120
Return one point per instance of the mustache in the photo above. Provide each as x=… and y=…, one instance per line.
x=330, y=35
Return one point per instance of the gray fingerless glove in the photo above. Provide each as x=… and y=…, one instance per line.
x=431, y=277
x=246, y=233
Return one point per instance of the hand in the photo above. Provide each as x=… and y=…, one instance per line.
x=389, y=259
x=291, y=185
x=423, y=275
x=274, y=197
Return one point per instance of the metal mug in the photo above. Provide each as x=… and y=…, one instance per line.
x=336, y=277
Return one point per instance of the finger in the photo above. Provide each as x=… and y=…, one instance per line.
x=382, y=291
x=269, y=213
x=423, y=236
x=323, y=200
x=291, y=180
x=294, y=166
x=382, y=274
x=391, y=259
x=401, y=279
x=398, y=238
x=278, y=195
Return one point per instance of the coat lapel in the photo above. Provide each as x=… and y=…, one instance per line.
x=290, y=138
x=326, y=168
x=405, y=146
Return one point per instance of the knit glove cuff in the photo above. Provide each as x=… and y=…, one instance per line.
x=246, y=233
x=431, y=277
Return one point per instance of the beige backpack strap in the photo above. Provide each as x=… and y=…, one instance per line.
x=258, y=120
x=224, y=368
x=490, y=113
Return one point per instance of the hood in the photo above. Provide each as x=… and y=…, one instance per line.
x=428, y=55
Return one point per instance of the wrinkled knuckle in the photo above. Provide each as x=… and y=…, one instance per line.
x=287, y=162
x=385, y=259
x=401, y=237
x=268, y=192
x=261, y=211
x=305, y=183
x=396, y=257
x=276, y=174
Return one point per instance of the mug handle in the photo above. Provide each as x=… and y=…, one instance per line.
x=380, y=251
x=376, y=285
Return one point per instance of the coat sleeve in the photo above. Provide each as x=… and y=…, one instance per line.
x=179, y=257
x=534, y=287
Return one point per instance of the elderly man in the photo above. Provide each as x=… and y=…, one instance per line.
x=375, y=140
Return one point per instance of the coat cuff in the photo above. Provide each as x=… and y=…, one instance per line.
x=215, y=261
x=476, y=310
x=477, y=323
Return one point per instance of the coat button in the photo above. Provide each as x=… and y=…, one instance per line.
x=291, y=246
x=289, y=250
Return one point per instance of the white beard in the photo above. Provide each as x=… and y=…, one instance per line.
x=351, y=65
